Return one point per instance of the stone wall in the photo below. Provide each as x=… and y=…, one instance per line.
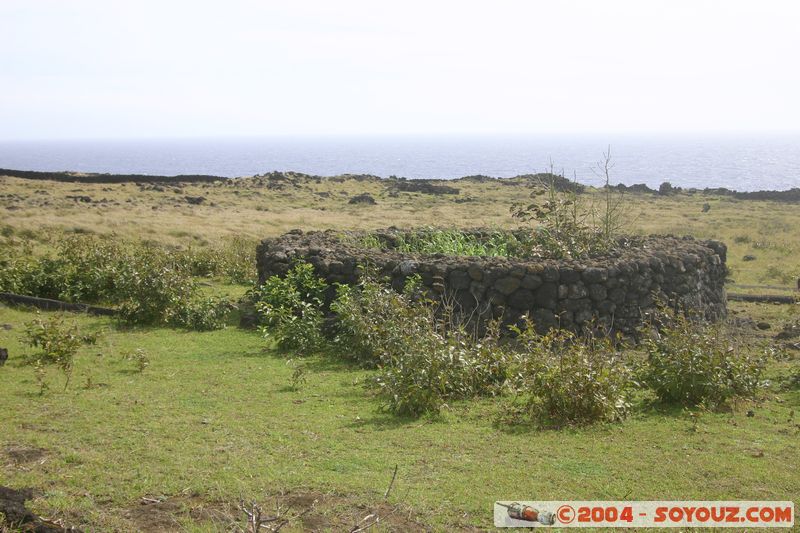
x=613, y=290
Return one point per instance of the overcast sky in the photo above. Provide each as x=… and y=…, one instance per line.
x=103, y=68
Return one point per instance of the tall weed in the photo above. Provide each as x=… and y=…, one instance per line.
x=56, y=344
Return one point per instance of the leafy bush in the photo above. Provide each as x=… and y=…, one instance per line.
x=566, y=223
x=151, y=289
x=89, y=267
x=563, y=229
x=57, y=344
x=80, y=270
x=290, y=308
x=421, y=362
x=372, y=318
x=689, y=364
x=424, y=360
x=203, y=314
x=234, y=259
x=299, y=371
x=572, y=380
x=792, y=380
x=150, y=284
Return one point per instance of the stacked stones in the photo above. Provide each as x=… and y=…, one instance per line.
x=613, y=291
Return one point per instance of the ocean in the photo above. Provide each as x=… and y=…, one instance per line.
x=740, y=163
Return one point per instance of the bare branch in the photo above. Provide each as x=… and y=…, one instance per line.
x=391, y=483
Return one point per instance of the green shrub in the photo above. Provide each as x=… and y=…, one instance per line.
x=201, y=262
x=564, y=225
x=380, y=326
x=151, y=288
x=572, y=380
x=454, y=242
x=299, y=377
x=372, y=318
x=422, y=362
x=82, y=269
x=290, y=308
x=240, y=260
x=139, y=357
x=234, y=259
x=89, y=268
x=150, y=283
x=203, y=314
x=689, y=363
x=791, y=381
x=424, y=359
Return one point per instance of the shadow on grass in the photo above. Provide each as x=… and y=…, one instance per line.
x=382, y=421
x=528, y=427
x=513, y=419
x=129, y=371
x=321, y=361
x=331, y=364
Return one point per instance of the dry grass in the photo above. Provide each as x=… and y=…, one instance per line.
x=769, y=231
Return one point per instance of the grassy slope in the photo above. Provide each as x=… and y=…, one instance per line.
x=215, y=415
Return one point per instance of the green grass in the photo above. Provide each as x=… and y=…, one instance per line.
x=214, y=416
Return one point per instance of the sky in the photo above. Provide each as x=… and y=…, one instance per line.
x=157, y=69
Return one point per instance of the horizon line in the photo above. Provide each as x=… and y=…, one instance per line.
x=626, y=135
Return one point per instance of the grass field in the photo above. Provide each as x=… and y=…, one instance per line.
x=216, y=417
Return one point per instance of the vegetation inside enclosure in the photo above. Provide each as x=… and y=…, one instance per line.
x=568, y=224
x=158, y=426
x=452, y=242
x=559, y=222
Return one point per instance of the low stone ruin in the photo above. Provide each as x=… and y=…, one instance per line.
x=613, y=291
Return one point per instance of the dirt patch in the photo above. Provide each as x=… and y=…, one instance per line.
x=317, y=511
x=16, y=514
x=20, y=455
x=168, y=514
x=302, y=509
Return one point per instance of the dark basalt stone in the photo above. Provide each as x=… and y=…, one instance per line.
x=364, y=198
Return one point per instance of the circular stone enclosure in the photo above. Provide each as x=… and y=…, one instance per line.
x=612, y=291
